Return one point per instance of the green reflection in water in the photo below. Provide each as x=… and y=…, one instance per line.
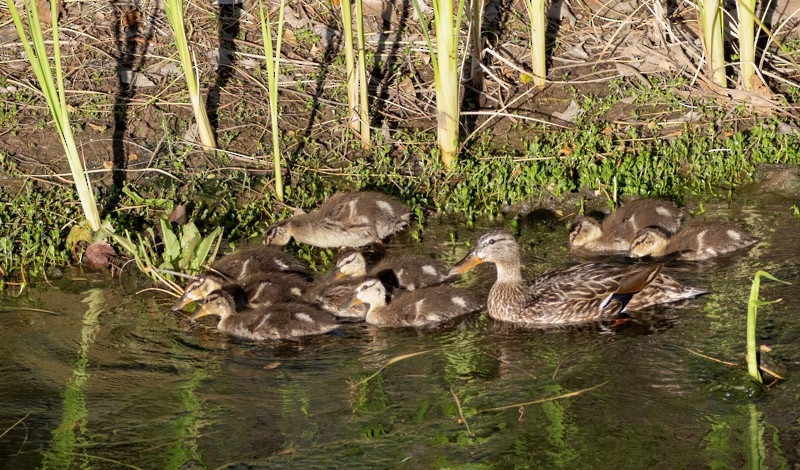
x=297, y=424
x=70, y=435
x=756, y=452
x=559, y=430
x=187, y=427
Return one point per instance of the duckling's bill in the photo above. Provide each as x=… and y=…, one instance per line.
x=182, y=302
x=469, y=262
x=201, y=312
x=350, y=303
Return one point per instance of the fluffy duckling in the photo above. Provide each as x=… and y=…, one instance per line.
x=425, y=307
x=350, y=219
x=581, y=293
x=405, y=271
x=695, y=242
x=290, y=320
x=619, y=228
x=241, y=266
x=267, y=289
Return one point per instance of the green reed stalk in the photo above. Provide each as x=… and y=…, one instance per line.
x=273, y=62
x=350, y=67
x=752, y=312
x=363, y=104
x=173, y=9
x=747, y=42
x=447, y=24
x=711, y=24
x=53, y=91
x=538, y=24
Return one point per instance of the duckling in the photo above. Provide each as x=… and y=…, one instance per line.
x=242, y=265
x=585, y=292
x=695, y=242
x=290, y=320
x=267, y=289
x=350, y=219
x=619, y=228
x=425, y=307
x=405, y=271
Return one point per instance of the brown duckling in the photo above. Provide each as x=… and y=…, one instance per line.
x=241, y=266
x=426, y=307
x=695, y=242
x=351, y=219
x=267, y=289
x=290, y=320
x=581, y=293
x=405, y=271
x=618, y=229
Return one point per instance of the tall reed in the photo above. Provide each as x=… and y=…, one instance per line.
x=747, y=41
x=53, y=91
x=711, y=24
x=273, y=63
x=447, y=25
x=173, y=9
x=538, y=24
x=363, y=104
x=350, y=67
x=752, y=313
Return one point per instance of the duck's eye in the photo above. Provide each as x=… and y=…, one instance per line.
x=492, y=241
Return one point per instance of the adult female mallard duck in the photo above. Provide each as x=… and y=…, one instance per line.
x=350, y=219
x=584, y=292
x=425, y=307
x=619, y=228
x=290, y=320
x=406, y=271
x=695, y=242
x=247, y=265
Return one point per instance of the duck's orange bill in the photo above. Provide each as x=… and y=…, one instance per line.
x=469, y=262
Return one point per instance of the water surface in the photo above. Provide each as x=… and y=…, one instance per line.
x=102, y=377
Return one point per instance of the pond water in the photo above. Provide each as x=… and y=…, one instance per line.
x=101, y=377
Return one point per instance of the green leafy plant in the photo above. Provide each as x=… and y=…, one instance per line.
x=273, y=58
x=752, y=312
x=53, y=91
x=187, y=251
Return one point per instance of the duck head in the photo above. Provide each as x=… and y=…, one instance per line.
x=278, y=233
x=495, y=246
x=199, y=289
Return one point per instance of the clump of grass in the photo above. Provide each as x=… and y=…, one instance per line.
x=53, y=91
x=752, y=313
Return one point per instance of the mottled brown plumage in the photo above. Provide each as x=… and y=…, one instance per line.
x=618, y=229
x=289, y=320
x=242, y=266
x=424, y=307
x=581, y=293
x=406, y=271
x=350, y=219
x=695, y=242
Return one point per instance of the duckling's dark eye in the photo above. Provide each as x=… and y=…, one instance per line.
x=492, y=241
